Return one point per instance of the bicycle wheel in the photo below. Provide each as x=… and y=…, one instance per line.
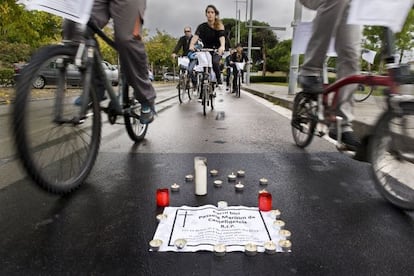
x=136, y=131
x=363, y=92
x=211, y=95
x=391, y=153
x=181, y=87
x=204, y=93
x=238, y=85
x=55, y=142
x=304, y=119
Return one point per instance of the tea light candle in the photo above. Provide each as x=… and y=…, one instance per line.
x=214, y=172
x=239, y=187
x=175, y=187
x=219, y=250
x=155, y=244
x=286, y=245
x=279, y=224
x=263, y=181
x=241, y=173
x=231, y=177
x=275, y=214
x=285, y=233
x=189, y=177
x=218, y=183
x=250, y=249
x=180, y=243
x=270, y=247
x=222, y=204
x=161, y=217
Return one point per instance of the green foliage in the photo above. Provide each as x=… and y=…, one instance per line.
x=279, y=57
x=6, y=77
x=159, y=49
x=14, y=52
x=256, y=79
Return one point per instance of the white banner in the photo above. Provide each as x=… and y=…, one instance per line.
x=206, y=226
x=76, y=10
x=301, y=38
x=390, y=13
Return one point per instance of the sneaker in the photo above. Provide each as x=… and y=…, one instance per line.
x=147, y=114
x=311, y=84
x=348, y=138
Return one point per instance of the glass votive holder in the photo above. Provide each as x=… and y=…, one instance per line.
x=163, y=197
x=265, y=201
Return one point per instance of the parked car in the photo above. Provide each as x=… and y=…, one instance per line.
x=170, y=77
x=150, y=75
x=48, y=74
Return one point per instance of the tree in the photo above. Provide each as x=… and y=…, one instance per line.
x=279, y=57
x=405, y=38
x=159, y=49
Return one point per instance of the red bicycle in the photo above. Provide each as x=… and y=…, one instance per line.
x=390, y=147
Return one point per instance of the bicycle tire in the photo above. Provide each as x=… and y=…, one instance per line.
x=57, y=152
x=391, y=153
x=136, y=131
x=211, y=96
x=238, y=85
x=204, y=91
x=362, y=93
x=181, y=87
x=304, y=119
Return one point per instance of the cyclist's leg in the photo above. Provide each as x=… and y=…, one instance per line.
x=191, y=73
x=128, y=19
x=216, y=67
x=235, y=72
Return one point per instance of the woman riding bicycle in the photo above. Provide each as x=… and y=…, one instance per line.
x=237, y=56
x=212, y=34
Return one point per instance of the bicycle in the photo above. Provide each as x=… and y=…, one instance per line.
x=390, y=148
x=207, y=77
x=239, y=67
x=57, y=141
x=184, y=79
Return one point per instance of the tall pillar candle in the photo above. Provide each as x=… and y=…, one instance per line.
x=200, y=168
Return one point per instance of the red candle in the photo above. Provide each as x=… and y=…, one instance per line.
x=265, y=201
x=163, y=197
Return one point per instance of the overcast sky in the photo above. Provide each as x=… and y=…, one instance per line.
x=172, y=15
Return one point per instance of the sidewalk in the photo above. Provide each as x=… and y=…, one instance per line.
x=366, y=113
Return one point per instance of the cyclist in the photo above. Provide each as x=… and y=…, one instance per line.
x=183, y=43
x=127, y=16
x=212, y=36
x=331, y=21
x=237, y=56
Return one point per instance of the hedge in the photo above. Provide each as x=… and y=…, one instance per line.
x=6, y=77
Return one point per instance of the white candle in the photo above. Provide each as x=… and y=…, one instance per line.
x=270, y=247
x=222, y=204
x=231, y=177
x=155, y=244
x=180, y=243
x=286, y=234
x=218, y=183
x=275, y=214
x=161, y=217
x=239, y=187
x=263, y=181
x=175, y=187
x=279, y=224
x=200, y=168
x=214, y=172
x=286, y=245
x=241, y=173
x=189, y=177
x=219, y=250
x=250, y=249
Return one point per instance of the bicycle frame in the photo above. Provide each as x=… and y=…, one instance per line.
x=90, y=48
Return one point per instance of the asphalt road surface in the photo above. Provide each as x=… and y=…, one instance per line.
x=340, y=224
